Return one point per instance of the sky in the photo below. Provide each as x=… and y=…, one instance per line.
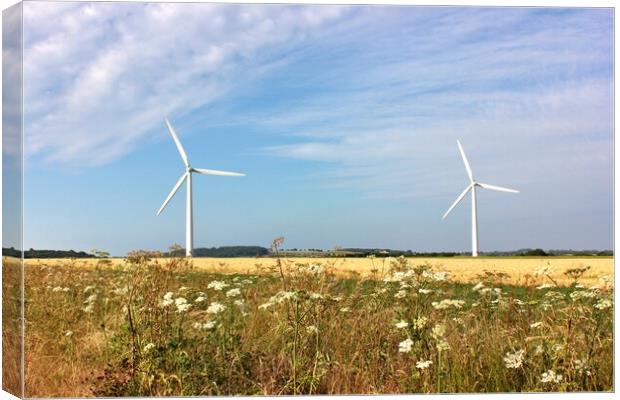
x=344, y=118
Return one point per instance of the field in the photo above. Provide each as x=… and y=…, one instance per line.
x=266, y=326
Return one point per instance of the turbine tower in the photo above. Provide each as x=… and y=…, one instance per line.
x=187, y=176
x=472, y=187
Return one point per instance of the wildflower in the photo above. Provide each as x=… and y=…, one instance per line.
x=405, y=346
x=265, y=306
x=583, y=294
x=206, y=326
x=419, y=323
x=200, y=299
x=550, y=377
x=239, y=303
x=545, y=286
x=603, y=304
x=312, y=329
x=400, y=294
x=438, y=331
x=148, y=347
x=217, y=285
x=316, y=296
x=425, y=291
x=233, y=292
x=69, y=333
x=423, y=364
x=402, y=324
x=168, y=299
x=182, y=305
x=536, y=325
x=514, y=360
x=442, y=345
x=447, y=303
x=478, y=286
x=215, y=308
x=57, y=289
x=65, y=289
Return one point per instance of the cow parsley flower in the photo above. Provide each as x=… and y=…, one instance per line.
x=168, y=299
x=550, y=377
x=423, y=364
x=405, y=346
x=233, y=292
x=217, y=285
x=148, y=347
x=402, y=324
x=215, y=308
x=182, y=305
x=200, y=299
x=400, y=294
x=603, y=304
x=514, y=360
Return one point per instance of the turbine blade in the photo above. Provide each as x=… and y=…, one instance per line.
x=498, y=188
x=457, y=201
x=467, y=167
x=216, y=172
x=172, y=192
x=178, y=143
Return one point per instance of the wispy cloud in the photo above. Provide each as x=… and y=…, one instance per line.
x=99, y=76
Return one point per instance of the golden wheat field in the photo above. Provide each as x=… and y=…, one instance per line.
x=149, y=326
x=463, y=269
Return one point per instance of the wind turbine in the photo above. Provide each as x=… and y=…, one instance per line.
x=472, y=187
x=187, y=176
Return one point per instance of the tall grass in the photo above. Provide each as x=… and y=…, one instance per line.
x=157, y=328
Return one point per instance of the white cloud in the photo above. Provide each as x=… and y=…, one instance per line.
x=100, y=76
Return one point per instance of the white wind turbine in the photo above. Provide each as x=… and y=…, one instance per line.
x=187, y=175
x=472, y=186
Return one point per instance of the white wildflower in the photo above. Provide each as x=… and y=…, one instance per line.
x=514, y=360
x=400, y=294
x=217, y=285
x=550, y=377
x=233, y=292
x=148, y=347
x=89, y=308
x=168, y=299
x=215, y=308
x=182, y=305
x=447, y=303
x=69, y=333
x=603, y=304
x=65, y=289
x=536, y=325
x=545, y=286
x=405, y=346
x=91, y=299
x=423, y=364
x=425, y=291
x=402, y=324
x=419, y=323
x=57, y=289
x=478, y=286
x=200, y=299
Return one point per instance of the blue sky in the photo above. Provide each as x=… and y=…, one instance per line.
x=345, y=119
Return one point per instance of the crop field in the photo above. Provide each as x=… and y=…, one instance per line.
x=153, y=326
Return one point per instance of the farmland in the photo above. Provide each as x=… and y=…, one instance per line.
x=145, y=326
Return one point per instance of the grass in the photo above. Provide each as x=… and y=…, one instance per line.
x=161, y=327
